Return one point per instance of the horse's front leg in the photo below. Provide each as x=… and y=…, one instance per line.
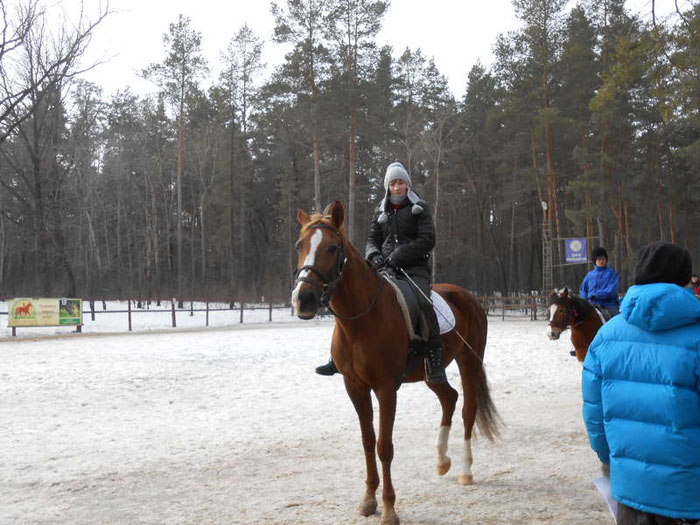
x=385, y=449
x=361, y=400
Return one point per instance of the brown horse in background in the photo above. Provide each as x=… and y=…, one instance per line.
x=370, y=347
x=570, y=311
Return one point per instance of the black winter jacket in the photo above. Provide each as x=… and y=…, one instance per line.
x=407, y=237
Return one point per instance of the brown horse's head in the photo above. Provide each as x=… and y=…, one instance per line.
x=561, y=313
x=321, y=257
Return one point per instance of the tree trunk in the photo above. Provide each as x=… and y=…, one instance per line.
x=179, y=194
x=659, y=197
x=351, y=179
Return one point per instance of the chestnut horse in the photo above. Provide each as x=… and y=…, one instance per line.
x=371, y=350
x=570, y=311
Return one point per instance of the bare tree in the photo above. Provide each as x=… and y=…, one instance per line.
x=33, y=60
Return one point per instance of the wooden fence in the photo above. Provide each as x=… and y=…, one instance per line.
x=532, y=306
x=523, y=306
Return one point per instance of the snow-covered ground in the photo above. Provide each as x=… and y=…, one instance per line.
x=230, y=425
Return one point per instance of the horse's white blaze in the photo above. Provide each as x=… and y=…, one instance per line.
x=468, y=459
x=316, y=239
x=443, y=437
x=552, y=332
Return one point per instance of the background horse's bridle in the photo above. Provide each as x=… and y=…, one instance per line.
x=571, y=313
x=330, y=282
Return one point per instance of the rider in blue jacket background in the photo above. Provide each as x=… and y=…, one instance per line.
x=641, y=393
x=601, y=284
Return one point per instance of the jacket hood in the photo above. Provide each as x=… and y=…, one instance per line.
x=660, y=306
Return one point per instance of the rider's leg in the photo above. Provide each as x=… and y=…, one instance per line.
x=435, y=359
x=328, y=369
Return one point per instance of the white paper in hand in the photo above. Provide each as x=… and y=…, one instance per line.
x=603, y=486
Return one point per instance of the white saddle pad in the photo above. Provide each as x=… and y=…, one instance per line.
x=445, y=316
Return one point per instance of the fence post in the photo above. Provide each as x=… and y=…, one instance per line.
x=128, y=302
x=503, y=308
x=172, y=308
x=241, y=311
x=191, y=307
x=207, y=313
x=92, y=310
x=14, y=331
x=269, y=317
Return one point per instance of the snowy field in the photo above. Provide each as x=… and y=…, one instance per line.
x=230, y=425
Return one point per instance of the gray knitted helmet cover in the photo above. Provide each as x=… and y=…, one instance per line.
x=396, y=171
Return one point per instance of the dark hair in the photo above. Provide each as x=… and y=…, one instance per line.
x=599, y=252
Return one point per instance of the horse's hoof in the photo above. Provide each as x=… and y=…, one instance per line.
x=368, y=505
x=442, y=469
x=465, y=479
x=389, y=517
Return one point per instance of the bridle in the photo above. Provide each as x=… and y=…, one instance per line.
x=330, y=282
x=571, y=313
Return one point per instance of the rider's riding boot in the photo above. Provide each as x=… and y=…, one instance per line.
x=435, y=361
x=328, y=369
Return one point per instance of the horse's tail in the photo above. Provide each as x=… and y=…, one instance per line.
x=487, y=417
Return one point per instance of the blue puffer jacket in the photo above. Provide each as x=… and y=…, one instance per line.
x=603, y=284
x=641, y=400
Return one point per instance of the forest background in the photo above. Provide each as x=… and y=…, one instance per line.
x=587, y=124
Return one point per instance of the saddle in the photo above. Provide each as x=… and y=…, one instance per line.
x=602, y=313
x=409, y=300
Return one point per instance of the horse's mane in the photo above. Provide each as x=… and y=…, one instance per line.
x=317, y=218
x=326, y=219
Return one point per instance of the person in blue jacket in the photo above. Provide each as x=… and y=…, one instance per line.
x=601, y=285
x=641, y=393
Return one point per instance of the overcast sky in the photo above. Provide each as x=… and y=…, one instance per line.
x=457, y=33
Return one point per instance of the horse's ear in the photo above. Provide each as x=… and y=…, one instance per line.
x=302, y=217
x=565, y=291
x=337, y=214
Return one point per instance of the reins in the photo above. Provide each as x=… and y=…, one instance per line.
x=369, y=308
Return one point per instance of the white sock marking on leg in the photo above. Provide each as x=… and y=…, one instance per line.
x=468, y=460
x=443, y=437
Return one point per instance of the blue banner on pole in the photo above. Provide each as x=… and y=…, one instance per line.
x=576, y=250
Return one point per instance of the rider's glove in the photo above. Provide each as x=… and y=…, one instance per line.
x=377, y=261
x=391, y=264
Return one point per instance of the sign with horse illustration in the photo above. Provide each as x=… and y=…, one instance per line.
x=45, y=312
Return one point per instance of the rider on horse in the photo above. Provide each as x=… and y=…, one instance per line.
x=401, y=237
x=601, y=284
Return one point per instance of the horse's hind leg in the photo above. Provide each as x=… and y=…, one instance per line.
x=362, y=402
x=448, y=400
x=469, y=408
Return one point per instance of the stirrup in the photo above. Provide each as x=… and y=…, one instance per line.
x=328, y=369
